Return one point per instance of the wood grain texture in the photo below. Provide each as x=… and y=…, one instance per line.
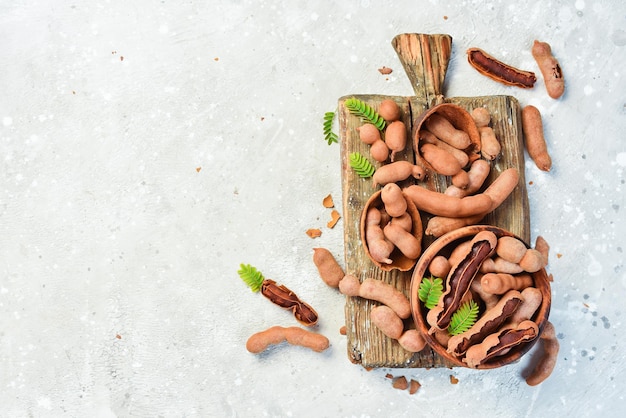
x=425, y=59
x=366, y=344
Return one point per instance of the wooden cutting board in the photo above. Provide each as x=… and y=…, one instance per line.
x=425, y=59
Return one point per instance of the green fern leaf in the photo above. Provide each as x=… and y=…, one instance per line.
x=251, y=276
x=364, y=111
x=463, y=318
x=361, y=165
x=329, y=135
x=430, y=291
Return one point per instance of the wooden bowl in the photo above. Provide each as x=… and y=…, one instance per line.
x=400, y=261
x=459, y=118
x=444, y=245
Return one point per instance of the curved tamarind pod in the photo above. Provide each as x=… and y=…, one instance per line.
x=478, y=172
x=397, y=171
x=412, y=341
x=499, y=71
x=489, y=299
x=429, y=138
x=459, y=280
x=386, y=294
x=500, y=283
x=532, y=300
x=285, y=298
x=544, y=368
x=379, y=291
x=500, y=265
x=440, y=204
x=498, y=191
x=293, y=335
x=488, y=323
x=327, y=266
x=550, y=69
x=387, y=321
x=500, y=342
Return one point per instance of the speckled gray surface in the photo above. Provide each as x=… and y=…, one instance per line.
x=148, y=148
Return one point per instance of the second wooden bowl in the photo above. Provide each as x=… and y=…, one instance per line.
x=444, y=245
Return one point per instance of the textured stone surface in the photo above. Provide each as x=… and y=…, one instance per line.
x=149, y=148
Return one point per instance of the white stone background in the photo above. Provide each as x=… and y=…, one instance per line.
x=149, y=147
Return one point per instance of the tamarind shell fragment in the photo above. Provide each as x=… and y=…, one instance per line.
x=285, y=298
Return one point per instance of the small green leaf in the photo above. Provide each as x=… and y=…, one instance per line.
x=430, y=291
x=329, y=135
x=361, y=165
x=463, y=318
x=251, y=276
x=366, y=112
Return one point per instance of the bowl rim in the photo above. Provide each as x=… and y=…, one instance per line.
x=419, y=318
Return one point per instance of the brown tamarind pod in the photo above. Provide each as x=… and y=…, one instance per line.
x=488, y=323
x=500, y=342
x=285, y=298
x=459, y=280
x=499, y=71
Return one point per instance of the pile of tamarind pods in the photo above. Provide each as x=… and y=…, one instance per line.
x=504, y=277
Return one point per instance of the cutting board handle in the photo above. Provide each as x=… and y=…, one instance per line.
x=425, y=59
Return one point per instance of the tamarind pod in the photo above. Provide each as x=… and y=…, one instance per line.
x=532, y=261
x=532, y=300
x=404, y=221
x=387, y=321
x=489, y=299
x=481, y=116
x=386, y=294
x=459, y=280
x=441, y=160
x=498, y=343
x=487, y=324
x=511, y=249
x=260, y=341
x=393, y=199
x=439, y=266
x=404, y=240
x=489, y=145
x=439, y=225
x=477, y=174
x=498, y=191
x=500, y=265
x=550, y=69
x=327, y=266
x=429, y=138
x=543, y=247
x=440, y=204
x=397, y=171
x=350, y=285
x=389, y=110
x=534, y=141
x=546, y=364
x=395, y=136
x=380, y=250
x=379, y=150
x=369, y=133
x=443, y=129
x=499, y=71
x=500, y=283
x=460, y=179
x=285, y=298
x=412, y=341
